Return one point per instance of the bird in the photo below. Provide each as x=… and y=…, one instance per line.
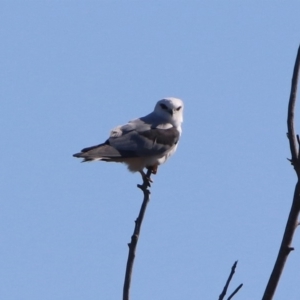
x=146, y=142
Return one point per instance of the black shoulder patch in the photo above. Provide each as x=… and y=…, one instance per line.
x=168, y=136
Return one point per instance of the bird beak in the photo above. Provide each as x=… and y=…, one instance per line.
x=171, y=112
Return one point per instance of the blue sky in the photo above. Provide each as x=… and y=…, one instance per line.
x=70, y=72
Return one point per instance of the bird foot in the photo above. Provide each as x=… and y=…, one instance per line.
x=147, y=180
x=153, y=169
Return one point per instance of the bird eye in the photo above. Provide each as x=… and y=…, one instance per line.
x=163, y=106
x=178, y=108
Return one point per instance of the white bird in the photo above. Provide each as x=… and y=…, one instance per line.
x=142, y=143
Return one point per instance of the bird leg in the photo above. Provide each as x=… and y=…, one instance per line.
x=146, y=178
x=153, y=169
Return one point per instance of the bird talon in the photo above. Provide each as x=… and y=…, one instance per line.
x=153, y=169
x=146, y=179
x=149, y=179
x=148, y=184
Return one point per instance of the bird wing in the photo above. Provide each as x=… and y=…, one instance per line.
x=135, y=139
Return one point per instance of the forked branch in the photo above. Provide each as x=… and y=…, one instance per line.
x=136, y=233
x=224, y=291
x=292, y=222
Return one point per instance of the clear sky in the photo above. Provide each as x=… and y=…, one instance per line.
x=70, y=71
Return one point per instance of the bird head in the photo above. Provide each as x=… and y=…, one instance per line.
x=170, y=109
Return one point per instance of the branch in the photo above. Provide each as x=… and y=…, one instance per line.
x=290, y=119
x=136, y=233
x=292, y=222
x=222, y=295
x=235, y=291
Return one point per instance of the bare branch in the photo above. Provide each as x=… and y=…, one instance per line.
x=298, y=140
x=292, y=222
x=291, y=109
x=235, y=291
x=223, y=294
x=136, y=233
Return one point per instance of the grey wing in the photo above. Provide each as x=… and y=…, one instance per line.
x=149, y=142
x=135, y=139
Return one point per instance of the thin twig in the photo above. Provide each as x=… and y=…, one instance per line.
x=223, y=294
x=136, y=233
x=292, y=222
x=235, y=291
x=291, y=109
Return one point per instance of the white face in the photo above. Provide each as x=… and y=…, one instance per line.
x=171, y=109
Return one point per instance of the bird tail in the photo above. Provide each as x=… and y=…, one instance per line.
x=103, y=152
